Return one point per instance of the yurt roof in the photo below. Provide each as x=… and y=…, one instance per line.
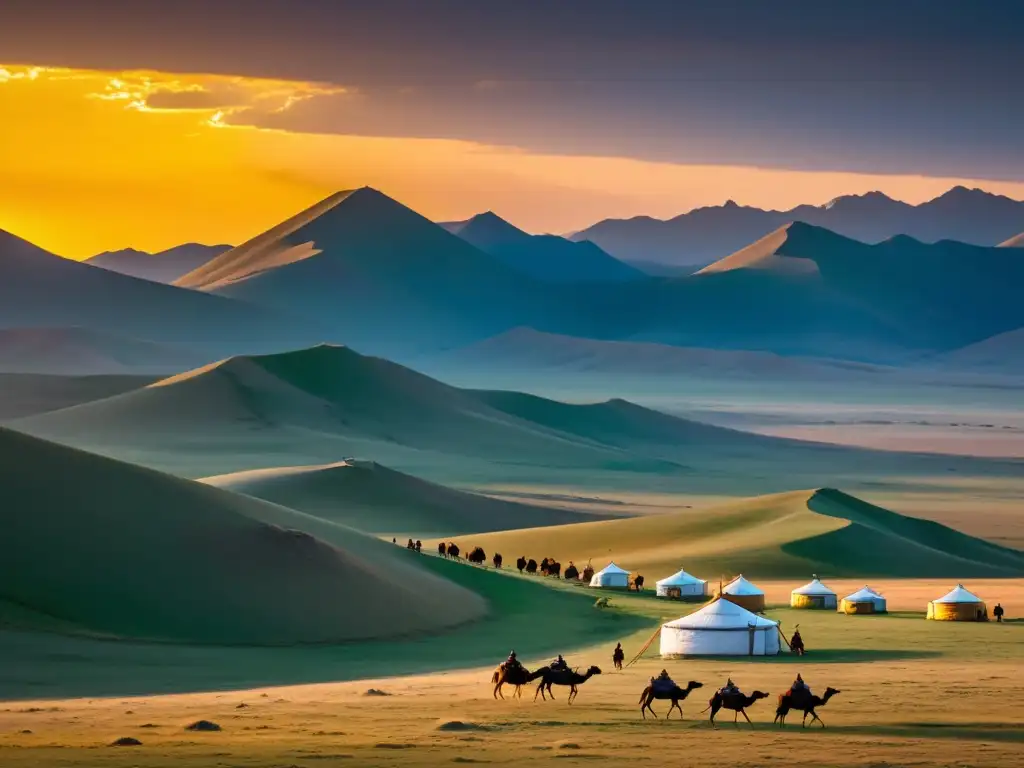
x=680, y=578
x=721, y=615
x=740, y=586
x=612, y=568
x=813, y=587
x=863, y=595
x=958, y=595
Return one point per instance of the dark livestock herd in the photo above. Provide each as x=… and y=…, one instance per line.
x=546, y=567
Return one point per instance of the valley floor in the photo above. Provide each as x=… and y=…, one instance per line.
x=913, y=693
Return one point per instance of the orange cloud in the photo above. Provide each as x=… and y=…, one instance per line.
x=107, y=160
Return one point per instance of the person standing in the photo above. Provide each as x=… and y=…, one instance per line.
x=998, y=613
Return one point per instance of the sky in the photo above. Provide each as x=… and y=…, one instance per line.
x=147, y=124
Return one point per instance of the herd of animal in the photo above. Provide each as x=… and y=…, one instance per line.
x=791, y=701
x=546, y=567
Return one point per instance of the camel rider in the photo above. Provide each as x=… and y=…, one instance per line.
x=730, y=688
x=559, y=664
x=799, y=686
x=512, y=662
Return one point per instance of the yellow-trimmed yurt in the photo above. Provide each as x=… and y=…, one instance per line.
x=814, y=595
x=958, y=605
x=743, y=593
x=864, y=600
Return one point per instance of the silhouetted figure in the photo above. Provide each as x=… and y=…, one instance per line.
x=559, y=665
x=998, y=613
x=394, y=540
x=419, y=545
x=797, y=644
x=799, y=686
x=638, y=582
x=618, y=656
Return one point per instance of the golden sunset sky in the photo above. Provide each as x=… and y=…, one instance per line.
x=96, y=160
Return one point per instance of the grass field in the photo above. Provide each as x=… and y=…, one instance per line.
x=913, y=693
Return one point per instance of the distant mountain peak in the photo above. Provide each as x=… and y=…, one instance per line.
x=488, y=229
x=871, y=198
x=960, y=193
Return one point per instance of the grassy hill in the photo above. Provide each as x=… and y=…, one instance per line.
x=371, y=497
x=319, y=405
x=119, y=550
x=787, y=535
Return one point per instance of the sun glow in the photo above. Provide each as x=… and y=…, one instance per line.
x=105, y=160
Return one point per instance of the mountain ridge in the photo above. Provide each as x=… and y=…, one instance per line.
x=705, y=234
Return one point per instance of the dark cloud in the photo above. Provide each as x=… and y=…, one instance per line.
x=929, y=87
x=204, y=99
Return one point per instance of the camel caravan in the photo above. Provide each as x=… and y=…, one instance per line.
x=730, y=624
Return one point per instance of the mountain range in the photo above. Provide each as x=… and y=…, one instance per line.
x=361, y=269
x=544, y=257
x=706, y=234
x=160, y=267
x=41, y=290
x=377, y=275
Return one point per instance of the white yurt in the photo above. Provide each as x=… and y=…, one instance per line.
x=681, y=585
x=864, y=600
x=720, y=628
x=958, y=605
x=610, y=577
x=813, y=595
x=744, y=593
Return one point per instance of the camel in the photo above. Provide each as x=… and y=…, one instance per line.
x=572, y=678
x=517, y=676
x=477, y=556
x=737, y=702
x=802, y=701
x=676, y=694
x=531, y=566
x=551, y=568
x=588, y=574
x=638, y=583
x=521, y=563
x=572, y=572
x=496, y=560
x=453, y=550
x=441, y=550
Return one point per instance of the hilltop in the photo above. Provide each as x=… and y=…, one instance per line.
x=316, y=405
x=788, y=535
x=163, y=266
x=109, y=548
x=373, y=498
x=544, y=257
